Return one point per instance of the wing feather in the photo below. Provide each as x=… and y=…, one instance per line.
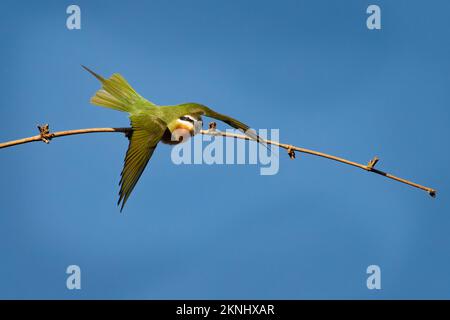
x=204, y=110
x=147, y=132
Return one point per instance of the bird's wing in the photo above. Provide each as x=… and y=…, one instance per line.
x=116, y=93
x=204, y=110
x=147, y=132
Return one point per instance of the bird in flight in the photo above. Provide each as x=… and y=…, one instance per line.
x=151, y=124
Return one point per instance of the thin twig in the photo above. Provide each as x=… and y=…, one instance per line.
x=46, y=136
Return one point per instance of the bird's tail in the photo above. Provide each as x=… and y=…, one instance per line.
x=116, y=93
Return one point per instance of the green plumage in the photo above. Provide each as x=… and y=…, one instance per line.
x=149, y=122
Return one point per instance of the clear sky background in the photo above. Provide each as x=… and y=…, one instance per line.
x=309, y=68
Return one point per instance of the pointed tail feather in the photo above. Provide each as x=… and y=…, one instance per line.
x=116, y=93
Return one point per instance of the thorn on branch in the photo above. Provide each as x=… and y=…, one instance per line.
x=291, y=153
x=372, y=163
x=44, y=132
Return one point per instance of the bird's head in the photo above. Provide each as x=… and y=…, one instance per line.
x=184, y=127
x=192, y=123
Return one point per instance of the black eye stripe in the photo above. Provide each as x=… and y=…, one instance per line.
x=186, y=119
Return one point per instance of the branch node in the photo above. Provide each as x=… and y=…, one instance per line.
x=372, y=163
x=291, y=152
x=432, y=193
x=44, y=132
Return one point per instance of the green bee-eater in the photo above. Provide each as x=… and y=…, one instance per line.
x=151, y=124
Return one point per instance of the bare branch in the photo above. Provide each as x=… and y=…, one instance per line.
x=45, y=136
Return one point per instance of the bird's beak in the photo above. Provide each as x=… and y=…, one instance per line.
x=198, y=125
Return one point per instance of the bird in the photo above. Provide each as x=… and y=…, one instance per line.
x=151, y=124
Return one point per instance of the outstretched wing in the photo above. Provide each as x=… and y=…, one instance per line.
x=147, y=132
x=204, y=110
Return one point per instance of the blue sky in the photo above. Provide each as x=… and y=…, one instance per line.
x=309, y=68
